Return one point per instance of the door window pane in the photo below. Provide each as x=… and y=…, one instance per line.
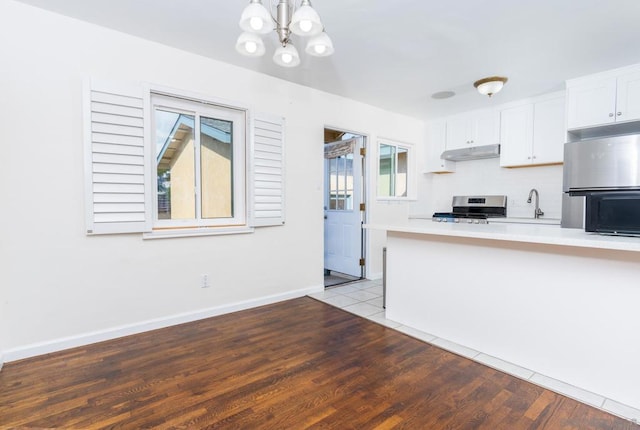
x=340, y=173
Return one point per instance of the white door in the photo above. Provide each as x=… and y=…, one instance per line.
x=342, y=198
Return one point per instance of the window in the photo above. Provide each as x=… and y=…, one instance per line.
x=199, y=163
x=393, y=170
x=172, y=164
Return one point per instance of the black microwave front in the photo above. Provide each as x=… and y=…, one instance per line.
x=613, y=212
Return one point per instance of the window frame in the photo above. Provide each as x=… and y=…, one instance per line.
x=410, y=169
x=189, y=103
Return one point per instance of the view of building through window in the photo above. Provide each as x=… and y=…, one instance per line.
x=392, y=170
x=194, y=162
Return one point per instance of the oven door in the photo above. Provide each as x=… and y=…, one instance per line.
x=613, y=212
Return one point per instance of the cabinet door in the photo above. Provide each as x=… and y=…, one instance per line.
x=485, y=128
x=516, y=136
x=628, y=102
x=549, y=132
x=436, y=134
x=458, y=133
x=591, y=103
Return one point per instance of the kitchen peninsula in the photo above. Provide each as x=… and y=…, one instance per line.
x=560, y=302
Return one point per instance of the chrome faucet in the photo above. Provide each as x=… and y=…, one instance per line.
x=537, y=212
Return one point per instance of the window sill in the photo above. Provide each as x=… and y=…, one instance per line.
x=195, y=232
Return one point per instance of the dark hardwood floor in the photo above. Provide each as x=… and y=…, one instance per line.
x=292, y=365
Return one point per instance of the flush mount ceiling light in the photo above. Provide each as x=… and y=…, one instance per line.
x=256, y=20
x=490, y=86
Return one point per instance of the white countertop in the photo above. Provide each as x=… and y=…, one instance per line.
x=510, y=220
x=516, y=232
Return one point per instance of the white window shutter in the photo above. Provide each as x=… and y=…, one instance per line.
x=267, y=171
x=116, y=163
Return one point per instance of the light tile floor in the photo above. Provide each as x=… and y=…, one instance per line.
x=364, y=298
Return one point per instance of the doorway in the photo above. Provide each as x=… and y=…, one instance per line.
x=344, y=206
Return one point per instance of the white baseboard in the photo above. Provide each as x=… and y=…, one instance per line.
x=129, y=329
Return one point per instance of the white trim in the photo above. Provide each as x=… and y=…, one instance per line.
x=153, y=324
x=194, y=96
x=1, y=360
x=374, y=276
x=194, y=232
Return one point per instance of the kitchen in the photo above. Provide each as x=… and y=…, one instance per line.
x=560, y=300
x=61, y=287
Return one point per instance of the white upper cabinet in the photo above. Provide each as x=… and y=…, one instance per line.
x=516, y=135
x=628, y=97
x=549, y=133
x=533, y=133
x=604, y=98
x=436, y=144
x=473, y=129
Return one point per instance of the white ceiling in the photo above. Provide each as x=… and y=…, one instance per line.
x=396, y=53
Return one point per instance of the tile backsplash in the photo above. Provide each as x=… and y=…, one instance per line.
x=487, y=177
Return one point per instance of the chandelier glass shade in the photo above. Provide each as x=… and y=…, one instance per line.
x=256, y=21
x=286, y=56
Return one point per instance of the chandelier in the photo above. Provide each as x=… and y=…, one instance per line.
x=256, y=21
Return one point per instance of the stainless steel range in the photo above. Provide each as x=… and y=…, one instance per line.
x=474, y=209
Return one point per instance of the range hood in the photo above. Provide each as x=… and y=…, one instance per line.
x=472, y=153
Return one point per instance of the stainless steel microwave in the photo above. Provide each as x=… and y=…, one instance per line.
x=601, y=185
x=613, y=212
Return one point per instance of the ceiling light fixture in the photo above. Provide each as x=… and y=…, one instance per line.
x=256, y=20
x=490, y=86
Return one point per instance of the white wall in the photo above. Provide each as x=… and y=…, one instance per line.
x=487, y=177
x=61, y=284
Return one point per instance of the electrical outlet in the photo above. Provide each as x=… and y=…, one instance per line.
x=205, y=281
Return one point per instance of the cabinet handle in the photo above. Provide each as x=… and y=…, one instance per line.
x=534, y=157
x=619, y=113
x=610, y=115
x=528, y=158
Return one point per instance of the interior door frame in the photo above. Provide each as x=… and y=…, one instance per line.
x=364, y=243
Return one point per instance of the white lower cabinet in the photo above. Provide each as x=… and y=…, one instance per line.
x=533, y=133
x=436, y=144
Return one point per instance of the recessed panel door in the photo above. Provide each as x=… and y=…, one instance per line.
x=343, y=218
